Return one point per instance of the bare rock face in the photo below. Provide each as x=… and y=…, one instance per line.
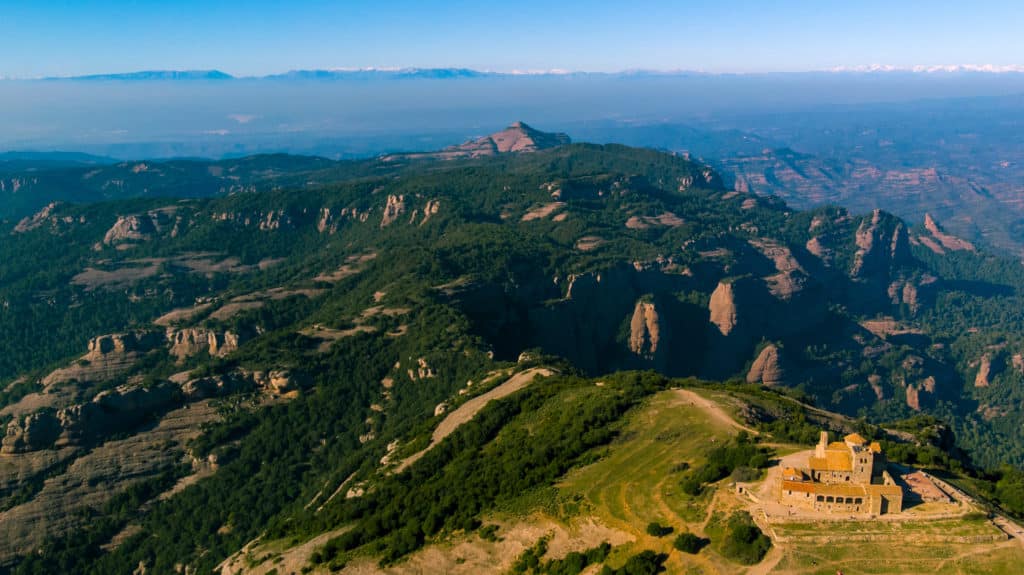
x=431, y=209
x=882, y=242
x=767, y=368
x=130, y=229
x=276, y=381
x=723, y=307
x=275, y=220
x=644, y=330
x=108, y=357
x=329, y=220
x=517, y=138
x=818, y=249
x=139, y=227
x=264, y=221
x=185, y=343
x=36, y=220
x=110, y=410
x=987, y=369
x=30, y=433
x=707, y=178
x=913, y=398
x=394, y=208
x=215, y=386
x=945, y=241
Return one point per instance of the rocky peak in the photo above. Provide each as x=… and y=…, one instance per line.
x=36, y=220
x=723, y=307
x=138, y=227
x=520, y=137
x=187, y=342
x=767, y=369
x=939, y=241
x=644, y=330
x=394, y=207
x=516, y=138
x=882, y=242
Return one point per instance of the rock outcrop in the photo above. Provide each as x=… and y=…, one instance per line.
x=30, y=433
x=109, y=411
x=989, y=366
x=940, y=240
x=394, y=208
x=707, y=178
x=882, y=245
x=723, y=307
x=38, y=219
x=329, y=220
x=644, y=330
x=767, y=369
x=137, y=228
x=185, y=343
x=517, y=138
x=108, y=357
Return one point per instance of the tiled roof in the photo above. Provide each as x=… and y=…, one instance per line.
x=836, y=489
x=834, y=460
x=855, y=439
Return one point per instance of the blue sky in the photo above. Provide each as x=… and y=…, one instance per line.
x=51, y=37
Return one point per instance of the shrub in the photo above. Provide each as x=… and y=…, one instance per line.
x=658, y=530
x=643, y=563
x=690, y=543
x=744, y=542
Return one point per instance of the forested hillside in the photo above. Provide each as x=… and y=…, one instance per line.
x=278, y=357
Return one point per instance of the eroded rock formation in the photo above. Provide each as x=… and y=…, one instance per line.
x=767, y=369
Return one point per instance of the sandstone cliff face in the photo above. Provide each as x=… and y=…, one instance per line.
x=585, y=324
x=136, y=228
x=185, y=343
x=723, y=308
x=329, y=220
x=108, y=357
x=707, y=178
x=940, y=241
x=31, y=432
x=430, y=210
x=394, y=208
x=989, y=367
x=264, y=221
x=82, y=479
x=767, y=369
x=882, y=244
x=47, y=215
x=130, y=228
x=108, y=411
x=129, y=405
x=644, y=330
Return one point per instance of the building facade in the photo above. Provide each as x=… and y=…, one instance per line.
x=846, y=476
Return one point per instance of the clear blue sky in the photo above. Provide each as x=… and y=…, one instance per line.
x=53, y=37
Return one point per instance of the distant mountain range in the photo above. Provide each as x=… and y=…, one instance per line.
x=456, y=73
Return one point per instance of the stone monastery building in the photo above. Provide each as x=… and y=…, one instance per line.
x=843, y=477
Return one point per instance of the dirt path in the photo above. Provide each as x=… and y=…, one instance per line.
x=712, y=409
x=467, y=410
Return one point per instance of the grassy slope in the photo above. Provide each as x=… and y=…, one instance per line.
x=636, y=481
x=634, y=485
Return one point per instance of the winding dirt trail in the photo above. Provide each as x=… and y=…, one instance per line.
x=467, y=410
x=713, y=409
